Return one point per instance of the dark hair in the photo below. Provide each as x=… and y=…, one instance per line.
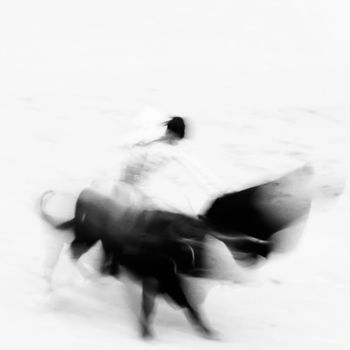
x=177, y=126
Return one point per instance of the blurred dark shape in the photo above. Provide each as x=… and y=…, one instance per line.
x=158, y=246
x=177, y=126
x=264, y=210
x=153, y=245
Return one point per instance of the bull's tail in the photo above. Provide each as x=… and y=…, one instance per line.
x=48, y=218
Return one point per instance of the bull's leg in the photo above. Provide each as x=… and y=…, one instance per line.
x=55, y=247
x=50, y=263
x=149, y=293
x=110, y=262
x=78, y=248
x=172, y=285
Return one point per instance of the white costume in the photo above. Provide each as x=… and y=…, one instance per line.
x=162, y=175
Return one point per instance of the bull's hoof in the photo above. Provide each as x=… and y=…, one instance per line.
x=211, y=335
x=146, y=333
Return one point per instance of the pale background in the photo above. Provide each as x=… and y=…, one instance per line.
x=265, y=84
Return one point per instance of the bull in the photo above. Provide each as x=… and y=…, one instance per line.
x=158, y=247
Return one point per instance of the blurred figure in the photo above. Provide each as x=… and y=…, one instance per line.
x=159, y=173
x=152, y=155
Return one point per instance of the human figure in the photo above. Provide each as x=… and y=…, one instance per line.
x=160, y=172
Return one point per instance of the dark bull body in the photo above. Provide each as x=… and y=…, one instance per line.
x=159, y=246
